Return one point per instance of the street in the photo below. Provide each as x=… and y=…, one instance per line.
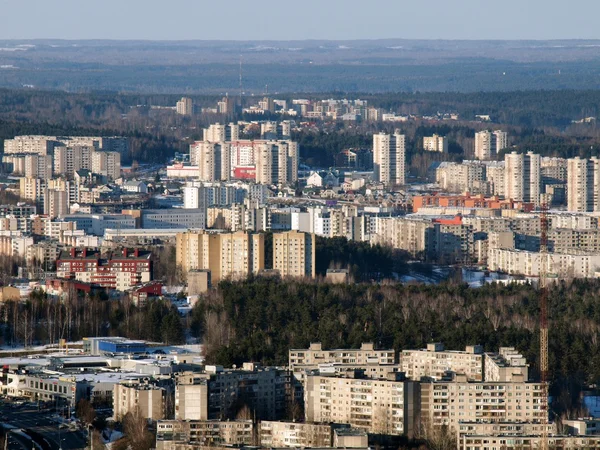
x=41, y=427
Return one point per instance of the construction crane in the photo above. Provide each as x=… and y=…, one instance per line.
x=543, y=290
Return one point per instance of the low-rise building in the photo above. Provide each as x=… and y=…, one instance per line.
x=177, y=434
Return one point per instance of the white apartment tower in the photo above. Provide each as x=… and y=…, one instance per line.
x=214, y=161
x=389, y=153
x=489, y=143
x=583, y=184
x=522, y=179
x=185, y=106
x=435, y=143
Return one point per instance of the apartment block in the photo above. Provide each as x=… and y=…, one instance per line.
x=185, y=106
x=219, y=394
x=510, y=442
x=217, y=132
x=120, y=270
x=561, y=265
x=374, y=363
x=107, y=164
x=522, y=177
x=40, y=145
x=489, y=143
x=294, y=254
x=70, y=159
x=388, y=406
x=131, y=396
x=389, y=155
x=295, y=434
x=227, y=255
x=436, y=363
x=506, y=365
x=449, y=403
x=583, y=184
x=435, y=143
x=177, y=434
x=38, y=166
x=469, y=176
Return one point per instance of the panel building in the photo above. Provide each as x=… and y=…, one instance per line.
x=583, y=184
x=294, y=254
x=522, y=177
x=389, y=406
x=489, y=143
x=435, y=143
x=389, y=154
x=227, y=255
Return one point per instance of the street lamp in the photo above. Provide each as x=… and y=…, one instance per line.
x=91, y=435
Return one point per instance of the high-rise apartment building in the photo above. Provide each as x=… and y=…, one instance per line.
x=68, y=160
x=185, y=106
x=449, y=403
x=217, y=132
x=294, y=254
x=218, y=393
x=277, y=162
x=107, y=164
x=522, y=177
x=583, y=184
x=389, y=154
x=489, y=143
x=388, y=406
x=435, y=143
x=38, y=166
x=226, y=255
x=214, y=162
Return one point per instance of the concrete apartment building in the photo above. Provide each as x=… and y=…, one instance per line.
x=374, y=363
x=38, y=166
x=467, y=176
x=510, y=442
x=561, y=265
x=522, y=177
x=448, y=403
x=227, y=255
x=185, y=106
x=177, y=434
x=389, y=406
x=107, y=164
x=583, y=184
x=213, y=160
x=489, y=143
x=131, y=396
x=217, y=132
x=294, y=254
x=435, y=143
x=436, y=363
x=389, y=156
x=219, y=394
x=506, y=365
x=274, y=434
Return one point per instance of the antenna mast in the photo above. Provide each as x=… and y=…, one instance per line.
x=241, y=90
x=543, y=287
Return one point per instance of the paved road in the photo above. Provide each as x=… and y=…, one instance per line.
x=40, y=422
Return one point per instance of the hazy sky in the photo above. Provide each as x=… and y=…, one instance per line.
x=299, y=19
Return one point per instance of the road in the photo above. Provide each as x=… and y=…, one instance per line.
x=40, y=422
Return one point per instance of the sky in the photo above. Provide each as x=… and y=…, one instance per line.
x=299, y=19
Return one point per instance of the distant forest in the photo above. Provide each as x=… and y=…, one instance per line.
x=540, y=121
